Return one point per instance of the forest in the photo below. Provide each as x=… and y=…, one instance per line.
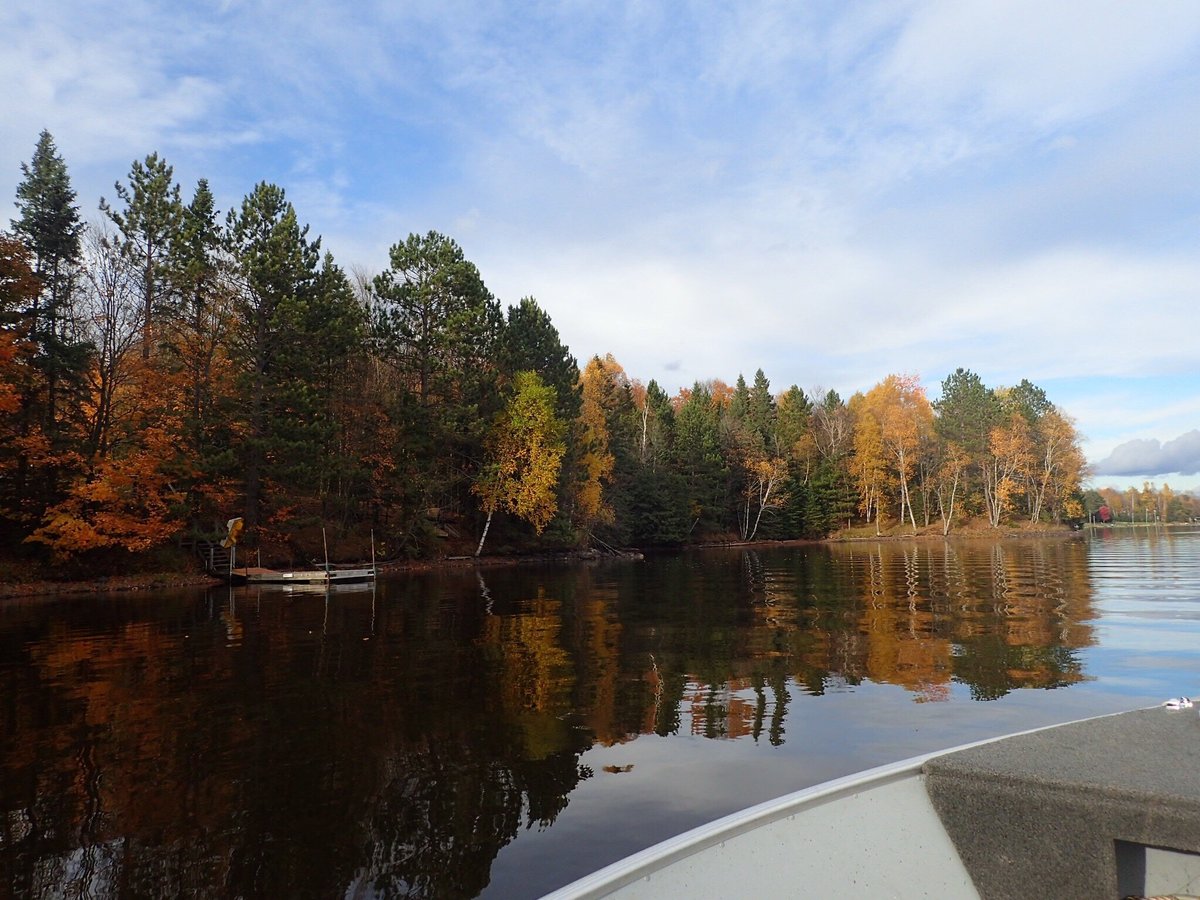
x=169, y=368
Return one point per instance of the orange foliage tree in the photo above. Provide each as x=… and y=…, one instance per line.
x=900, y=412
x=1010, y=457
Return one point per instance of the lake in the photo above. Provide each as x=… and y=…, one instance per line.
x=499, y=732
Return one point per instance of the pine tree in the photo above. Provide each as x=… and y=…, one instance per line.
x=530, y=342
x=149, y=222
x=436, y=327
x=49, y=226
x=276, y=266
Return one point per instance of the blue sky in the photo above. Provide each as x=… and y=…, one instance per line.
x=832, y=192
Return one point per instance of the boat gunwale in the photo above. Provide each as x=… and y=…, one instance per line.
x=666, y=853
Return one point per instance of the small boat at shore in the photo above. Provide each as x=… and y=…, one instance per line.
x=1103, y=807
x=319, y=576
x=331, y=575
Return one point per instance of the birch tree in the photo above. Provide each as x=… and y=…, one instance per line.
x=1009, y=459
x=524, y=450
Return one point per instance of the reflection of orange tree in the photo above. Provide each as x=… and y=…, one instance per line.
x=903, y=643
x=298, y=754
x=996, y=616
x=717, y=711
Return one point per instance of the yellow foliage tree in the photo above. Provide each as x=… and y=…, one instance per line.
x=1010, y=458
x=524, y=452
x=595, y=459
x=898, y=417
x=1057, y=464
x=868, y=465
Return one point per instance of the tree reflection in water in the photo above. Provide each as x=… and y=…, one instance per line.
x=392, y=743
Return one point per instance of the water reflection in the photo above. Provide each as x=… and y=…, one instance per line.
x=392, y=742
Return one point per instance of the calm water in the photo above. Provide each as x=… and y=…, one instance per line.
x=456, y=734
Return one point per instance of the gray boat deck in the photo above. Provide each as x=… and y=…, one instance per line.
x=1108, y=807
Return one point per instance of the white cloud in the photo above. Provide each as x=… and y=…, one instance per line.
x=830, y=193
x=1150, y=457
x=1043, y=64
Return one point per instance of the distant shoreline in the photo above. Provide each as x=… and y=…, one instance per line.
x=161, y=580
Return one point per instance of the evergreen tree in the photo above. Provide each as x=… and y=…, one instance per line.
x=699, y=461
x=436, y=327
x=1028, y=399
x=196, y=320
x=531, y=343
x=149, y=222
x=967, y=411
x=760, y=412
x=658, y=429
x=276, y=266
x=49, y=226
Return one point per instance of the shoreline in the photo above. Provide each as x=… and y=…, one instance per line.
x=158, y=581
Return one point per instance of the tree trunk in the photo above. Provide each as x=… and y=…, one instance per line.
x=483, y=537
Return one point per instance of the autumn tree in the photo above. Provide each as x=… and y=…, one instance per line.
x=1009, y=459
x=123, y=496
x=1057, y=466
x=524, y=449
x=949, y=467
x=869, y=465
x=125, y=502
x=19, y=445
x=606, y=429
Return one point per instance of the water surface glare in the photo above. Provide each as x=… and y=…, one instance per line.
x=500, y=732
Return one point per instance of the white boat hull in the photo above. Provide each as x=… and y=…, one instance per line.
x=1101, y=807
x=874, y=834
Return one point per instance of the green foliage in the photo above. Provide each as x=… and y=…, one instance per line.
x=530, y=342
x=51, y=430
x=967, y=411
x=408, y=403
x=437, y=327
x=699, y=460
x=149, y=223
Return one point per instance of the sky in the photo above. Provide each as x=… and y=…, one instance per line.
x=829, y=191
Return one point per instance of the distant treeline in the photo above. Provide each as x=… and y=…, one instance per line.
x=172, y=368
